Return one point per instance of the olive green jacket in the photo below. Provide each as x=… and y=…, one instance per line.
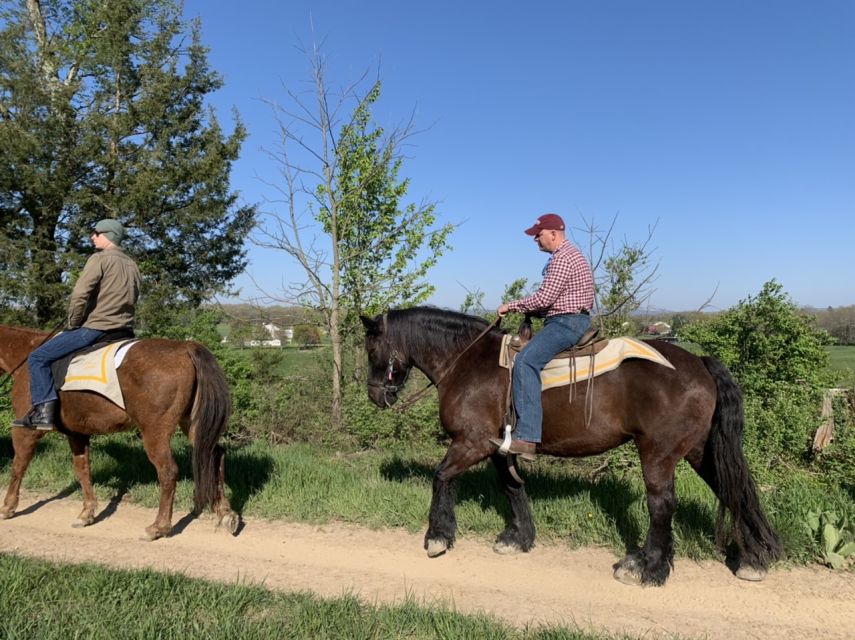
x=106, y=292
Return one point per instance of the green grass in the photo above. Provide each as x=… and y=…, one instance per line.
x=292, y=360
x=43, y=600
x=393, y=489
x=842, y=357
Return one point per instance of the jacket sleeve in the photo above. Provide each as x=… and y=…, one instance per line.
x=81, y=295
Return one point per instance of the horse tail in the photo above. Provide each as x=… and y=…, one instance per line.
x=726, y=470
x=212, y=406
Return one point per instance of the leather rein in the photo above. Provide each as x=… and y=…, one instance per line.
x=422, y=392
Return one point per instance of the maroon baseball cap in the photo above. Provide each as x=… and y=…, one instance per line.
x=546, y=221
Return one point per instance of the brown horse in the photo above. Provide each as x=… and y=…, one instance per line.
x=164, y=383
x=693, y=412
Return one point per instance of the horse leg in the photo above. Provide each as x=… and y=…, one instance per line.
x=226, y=518
x=80, y=457
x=159, y=452
x=442, y=523
x=519, y=533
x=652, y=565
x=748, y=562
x=24, y=444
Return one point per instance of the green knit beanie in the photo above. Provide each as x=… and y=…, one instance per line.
x=113, y=229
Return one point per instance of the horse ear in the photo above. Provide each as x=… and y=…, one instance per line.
x=372, y=327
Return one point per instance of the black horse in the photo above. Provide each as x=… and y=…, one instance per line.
x=691, y=412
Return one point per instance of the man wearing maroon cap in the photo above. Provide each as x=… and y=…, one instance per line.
x=565, y=298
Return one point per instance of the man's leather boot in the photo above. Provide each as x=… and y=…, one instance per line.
x=39, y=418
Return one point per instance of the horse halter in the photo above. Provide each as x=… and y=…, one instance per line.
x=388, y=385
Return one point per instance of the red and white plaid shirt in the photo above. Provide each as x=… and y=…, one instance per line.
x=567, y=287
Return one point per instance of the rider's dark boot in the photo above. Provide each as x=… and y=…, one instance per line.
x=40, y=417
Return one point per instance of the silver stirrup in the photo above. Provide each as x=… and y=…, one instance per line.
x=505, y=448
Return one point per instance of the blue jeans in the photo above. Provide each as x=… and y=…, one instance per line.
x=39, y=361
x=558, y=333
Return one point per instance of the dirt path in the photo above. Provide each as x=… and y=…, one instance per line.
x=549, y=585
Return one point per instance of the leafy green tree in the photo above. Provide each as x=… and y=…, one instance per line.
x=380, y=237
x=102, y=114
x=778, y=356
x=376, y=250
x=306, y=335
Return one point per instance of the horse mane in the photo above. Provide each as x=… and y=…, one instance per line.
x=24, y=330
x=420, y=327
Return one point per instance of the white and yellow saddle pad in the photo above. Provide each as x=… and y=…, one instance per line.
x=96, y=371
x=561, y=371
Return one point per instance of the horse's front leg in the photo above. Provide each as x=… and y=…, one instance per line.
x=519, y=532
x=442, y=523
x=24, y=444
x=80, y=456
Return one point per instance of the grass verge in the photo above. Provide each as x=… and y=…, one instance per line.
x=393, y=489
x=43, y=600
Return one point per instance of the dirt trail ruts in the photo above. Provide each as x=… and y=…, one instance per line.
x=550, y=585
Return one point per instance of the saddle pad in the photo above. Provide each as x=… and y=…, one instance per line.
x=559, y=372
x=96, y=371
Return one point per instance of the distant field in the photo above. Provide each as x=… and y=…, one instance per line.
x=293, y=359
x=842, y=357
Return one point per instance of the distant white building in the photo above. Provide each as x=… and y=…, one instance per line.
x=277, y=334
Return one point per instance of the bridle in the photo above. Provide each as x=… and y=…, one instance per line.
x=418, y=395
x=388, y=385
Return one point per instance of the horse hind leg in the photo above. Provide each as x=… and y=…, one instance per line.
x=159, y=452
x=519, y=533
x=752, y=536
x=227, y=519
x=652, y=565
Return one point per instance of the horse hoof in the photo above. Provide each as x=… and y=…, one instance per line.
x=436, y=548
x=5, y=514
x=153, y=533
x=629, y=571
x=628, y=575
x=230, y=522
x=79, y=524
x=752, y=574
x=505, y=549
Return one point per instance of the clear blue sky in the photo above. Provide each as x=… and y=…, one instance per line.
x=730, y=123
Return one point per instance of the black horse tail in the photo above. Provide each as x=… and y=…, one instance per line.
x=212, y=406
x=726, y=470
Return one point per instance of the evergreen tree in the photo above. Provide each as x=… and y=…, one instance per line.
x=102, y=114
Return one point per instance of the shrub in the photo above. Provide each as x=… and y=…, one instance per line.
x=306, y=335
x=778, y=355
x=371, y=426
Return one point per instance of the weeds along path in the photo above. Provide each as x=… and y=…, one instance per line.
x=550, y=585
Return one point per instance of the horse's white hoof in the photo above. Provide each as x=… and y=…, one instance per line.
x=436, y=548
x=230, y=522
x=505, y=549
x=752, y=574
x=628, y=575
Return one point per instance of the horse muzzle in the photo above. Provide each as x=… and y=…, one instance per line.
x=383, y=395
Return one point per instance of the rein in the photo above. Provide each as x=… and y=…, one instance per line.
x=421, y=393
